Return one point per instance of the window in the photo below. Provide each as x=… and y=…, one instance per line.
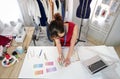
x=9, y=11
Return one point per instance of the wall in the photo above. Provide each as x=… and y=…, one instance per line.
x=114, y=37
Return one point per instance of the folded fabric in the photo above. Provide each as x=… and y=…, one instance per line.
x=4, y=40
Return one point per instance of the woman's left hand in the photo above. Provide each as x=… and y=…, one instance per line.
x=67, y=61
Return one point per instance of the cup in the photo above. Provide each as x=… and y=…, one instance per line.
x=19, y=49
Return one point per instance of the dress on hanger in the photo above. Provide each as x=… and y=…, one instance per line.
x=50, y=11
x=33, y=10
x=83, y=10
x=57, y=6
x=63, y=8
x=68, y=10
x=43, y=18
x=45, y=7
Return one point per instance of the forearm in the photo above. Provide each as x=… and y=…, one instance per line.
x=73, y=41
x=58, y=45
x=59, y=49
x=70, y=52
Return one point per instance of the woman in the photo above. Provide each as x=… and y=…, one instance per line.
x=63, y=34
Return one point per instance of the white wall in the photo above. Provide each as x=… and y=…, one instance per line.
x=109, y=36
x=114, y=36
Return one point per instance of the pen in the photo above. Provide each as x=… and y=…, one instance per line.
x=40, y=52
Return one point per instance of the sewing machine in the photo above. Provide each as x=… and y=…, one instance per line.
x=20, y=32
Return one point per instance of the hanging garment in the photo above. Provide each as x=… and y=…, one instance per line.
x=43, y=18
x=65, y=41
x=57, y=4
x=57, y=10
x=33, y=10
x=68, y=10
x=45, y=7
x=63, y=8
x=50, y=10
x=46, y=3
x=64, y=2
x=83, y=10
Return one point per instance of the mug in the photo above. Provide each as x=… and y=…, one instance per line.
x=19, y=49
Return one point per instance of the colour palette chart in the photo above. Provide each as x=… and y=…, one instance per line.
x=41, y=68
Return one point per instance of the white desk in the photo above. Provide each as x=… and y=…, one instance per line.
x=75, y=70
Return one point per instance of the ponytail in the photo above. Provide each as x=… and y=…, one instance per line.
x=57, y=17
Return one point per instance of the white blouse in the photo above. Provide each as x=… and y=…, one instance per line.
x=33, y=10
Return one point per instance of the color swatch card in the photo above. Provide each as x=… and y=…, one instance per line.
x=44, y=68
x=38, y=72
x=51, y=69
x=38, y=65
x=49, y=63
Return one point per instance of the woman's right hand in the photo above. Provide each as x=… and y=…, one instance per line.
x=61, y=59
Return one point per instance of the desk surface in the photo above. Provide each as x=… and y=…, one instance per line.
x=13, y=71
x=75, y=70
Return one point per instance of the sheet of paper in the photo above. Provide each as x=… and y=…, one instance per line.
x=74, y=56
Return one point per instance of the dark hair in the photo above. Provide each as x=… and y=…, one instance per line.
x=56, y=26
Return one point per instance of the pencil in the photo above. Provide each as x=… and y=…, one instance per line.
x=45, y=56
